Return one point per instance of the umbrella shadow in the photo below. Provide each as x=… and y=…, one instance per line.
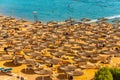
x=62, y=76
x=26, y=71
x=45, y=78
x=11, y=64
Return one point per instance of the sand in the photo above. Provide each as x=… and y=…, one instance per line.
x=88, y=73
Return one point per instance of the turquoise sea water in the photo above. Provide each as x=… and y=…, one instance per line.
x=59, y=10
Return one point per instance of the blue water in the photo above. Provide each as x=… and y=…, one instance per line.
x=59, y=10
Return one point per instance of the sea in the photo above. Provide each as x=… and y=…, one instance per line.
x=60, y=10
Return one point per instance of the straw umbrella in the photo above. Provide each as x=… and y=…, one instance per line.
x=30, y=61
x=6, y=57
x=57, y=54
x=76, y=72
x=35, y=54
x=117, y=34
x=88, y=66
x=20, y=59
x=116, y=22
x=12, y=63
x=104, y=58
x=46, y=59
x=95, y=59
x=44, y=72
x=53, y=61
x=70, y=68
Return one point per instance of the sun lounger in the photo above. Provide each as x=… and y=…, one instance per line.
x=5, y=70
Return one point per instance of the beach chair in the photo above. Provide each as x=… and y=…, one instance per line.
x=1, y=69
x=7, y=70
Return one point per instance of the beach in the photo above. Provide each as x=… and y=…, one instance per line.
x=57, y=50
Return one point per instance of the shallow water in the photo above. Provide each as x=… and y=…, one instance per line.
x=60, y=10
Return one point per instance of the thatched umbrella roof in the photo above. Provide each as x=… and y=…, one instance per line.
x=53, y=61
x=58, y=53
x=68, y=68
x=30, y=61
x=88, y=66
x=76, y=72
x=116, y=21
x=18, y=48
x=117, y=34
x=95, y=59
x=20, y=59
x=6, y=57
x=35, y=54
x=46, y=58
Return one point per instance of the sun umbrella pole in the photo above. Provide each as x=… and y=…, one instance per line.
x=2, y=64
x=67, y=76
x=42, y=77
x=15, y=77
x=20, y=76
x=86, y=74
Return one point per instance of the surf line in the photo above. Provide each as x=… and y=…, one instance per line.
x=96, y=20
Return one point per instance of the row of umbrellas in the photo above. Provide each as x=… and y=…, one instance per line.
x=82, y=44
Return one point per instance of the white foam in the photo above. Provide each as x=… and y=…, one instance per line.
x=94, y=20
x=110, y=17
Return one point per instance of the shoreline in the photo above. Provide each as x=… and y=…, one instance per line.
x=15, y=17
x=76, y=21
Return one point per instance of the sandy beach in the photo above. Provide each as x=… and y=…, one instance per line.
x=55, y=51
